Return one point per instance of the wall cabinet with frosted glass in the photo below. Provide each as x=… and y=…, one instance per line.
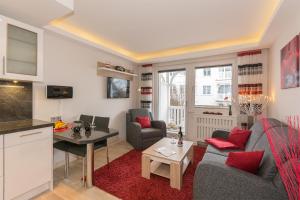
x=21, y=51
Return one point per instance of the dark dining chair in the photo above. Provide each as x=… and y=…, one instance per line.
x=63, y=146
x=78, y=150
x=86, y=119
x=101, y=123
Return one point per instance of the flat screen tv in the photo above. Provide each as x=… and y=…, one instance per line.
x=117, y=88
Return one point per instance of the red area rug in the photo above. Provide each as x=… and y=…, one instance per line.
x=123, y=179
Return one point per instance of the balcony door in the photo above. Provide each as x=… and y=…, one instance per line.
x=172, y=99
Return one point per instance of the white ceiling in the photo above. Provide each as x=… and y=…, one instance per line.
x=159, y=30
x=144, y=26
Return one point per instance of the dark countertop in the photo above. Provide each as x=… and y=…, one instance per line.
x=22, y=125
x=83, y=138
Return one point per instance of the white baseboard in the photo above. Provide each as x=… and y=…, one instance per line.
x=35, y=192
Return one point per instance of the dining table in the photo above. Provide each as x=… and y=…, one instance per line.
x=87, y=138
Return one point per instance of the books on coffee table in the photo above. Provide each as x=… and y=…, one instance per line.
x=165, y=151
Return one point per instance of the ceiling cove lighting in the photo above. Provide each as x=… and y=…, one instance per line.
x=61, y=24
x=11, y=86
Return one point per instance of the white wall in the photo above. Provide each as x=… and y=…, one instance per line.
x=70, y=63
x=286, y=101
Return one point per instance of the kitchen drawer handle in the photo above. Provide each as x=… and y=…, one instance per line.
x=29, y=134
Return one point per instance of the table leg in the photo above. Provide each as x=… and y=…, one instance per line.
x=90, y=164
x=176, y=175
x=67, y=164
x=146, y=166
x=191, y=155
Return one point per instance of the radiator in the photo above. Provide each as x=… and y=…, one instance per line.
x=205, y=125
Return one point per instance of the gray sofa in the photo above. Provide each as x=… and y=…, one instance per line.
x=141, y=138
x=214, y=180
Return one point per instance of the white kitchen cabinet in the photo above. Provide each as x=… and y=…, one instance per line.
x=28, y=160
x=21, y=51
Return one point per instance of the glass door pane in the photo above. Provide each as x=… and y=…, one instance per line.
x=21, y=51
x=172, y=99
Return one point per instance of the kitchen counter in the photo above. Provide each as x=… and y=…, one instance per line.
x=22, y=125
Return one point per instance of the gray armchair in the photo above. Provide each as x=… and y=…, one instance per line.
x=141, y=138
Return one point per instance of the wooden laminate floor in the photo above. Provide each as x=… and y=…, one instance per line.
x=71, y=188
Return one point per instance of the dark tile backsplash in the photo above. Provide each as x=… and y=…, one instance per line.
x=15, y=101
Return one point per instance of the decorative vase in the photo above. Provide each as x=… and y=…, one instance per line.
x=180, y=138
x=230, y=110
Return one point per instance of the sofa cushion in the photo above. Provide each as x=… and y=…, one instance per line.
x=239, y=137
x=214, y=158
x=151, y=133
x=247, y=161
x=212, y=149
x=258, y=130
x=221, y=144
x=268, y=167
x=144, y=121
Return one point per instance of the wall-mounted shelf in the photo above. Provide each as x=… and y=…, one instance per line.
x=109, y=72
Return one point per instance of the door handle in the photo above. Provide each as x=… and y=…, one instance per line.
x=29, y=134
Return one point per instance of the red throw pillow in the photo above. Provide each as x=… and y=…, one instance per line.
x=239, y=137
x=221, y=144
x=144, y=121
x=247, y=161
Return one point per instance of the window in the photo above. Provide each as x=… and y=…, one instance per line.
x=213, y=89
x=225, y=73
x=206, y=72
x=228, y=73
x=206, y=89
x=224, y=89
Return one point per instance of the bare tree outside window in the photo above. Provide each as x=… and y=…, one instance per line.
x=172, y=98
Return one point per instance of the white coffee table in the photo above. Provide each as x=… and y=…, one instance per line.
x=172, y=167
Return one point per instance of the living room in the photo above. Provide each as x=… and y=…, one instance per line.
x=139, y=100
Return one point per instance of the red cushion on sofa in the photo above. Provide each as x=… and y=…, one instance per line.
x=221, y=144
x=239, y=137
x=144, y=121
x=247, y=161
